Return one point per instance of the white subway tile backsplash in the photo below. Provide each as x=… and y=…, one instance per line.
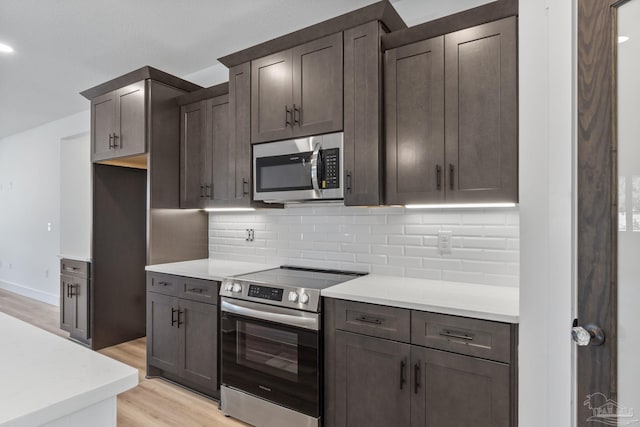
x=389, y=241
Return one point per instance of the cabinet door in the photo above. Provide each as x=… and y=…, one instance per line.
x=222, y=172
x=482, y=113
x=372, y=381
x=240, y=132
x=162, y=332
x=198, y=354
x=452, y=390
x=317, y=86
x=192, y=154
x=362, y=115
x=131, y=123
x=414, y=111
x=80, y=295
x=66, y=304
x=271, y=98
x=103, y=110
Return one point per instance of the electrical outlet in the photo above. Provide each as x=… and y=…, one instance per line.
x=250, y=235
x=444, y=242
x=48, y=226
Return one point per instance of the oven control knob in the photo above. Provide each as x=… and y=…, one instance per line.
x=293, y=296
x=228, y=287
x=236, y=287
x=304, y=298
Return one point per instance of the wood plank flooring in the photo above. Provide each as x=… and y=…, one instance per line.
x=154, y=402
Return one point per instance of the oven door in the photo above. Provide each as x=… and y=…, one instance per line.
x=273, y=353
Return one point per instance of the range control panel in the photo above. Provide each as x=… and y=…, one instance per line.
x=284, y=296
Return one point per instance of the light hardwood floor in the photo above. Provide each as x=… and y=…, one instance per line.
x=154, y=402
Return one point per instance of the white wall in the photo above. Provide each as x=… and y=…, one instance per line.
x=391, y=241
x=29, y=200
x=546, y=34
x=75, y=196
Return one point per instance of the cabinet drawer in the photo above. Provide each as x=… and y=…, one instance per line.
x=71, y=267
x=474, y=337
x=199, y=290
x=166, y=284
x=375, y=320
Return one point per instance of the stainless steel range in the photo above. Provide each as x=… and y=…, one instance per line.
x=271, y=345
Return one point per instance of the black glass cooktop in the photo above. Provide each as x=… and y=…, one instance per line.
x=300, y=277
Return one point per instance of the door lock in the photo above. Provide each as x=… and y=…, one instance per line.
x=587, y=335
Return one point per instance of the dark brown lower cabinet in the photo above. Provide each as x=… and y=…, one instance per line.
x=452, y=390
x=372, y=381
x=74, y=299
x=182, y=331
x=375, y=375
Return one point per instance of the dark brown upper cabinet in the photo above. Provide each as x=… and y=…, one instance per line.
x=415, y=122
x=297, y=92
x=451, y=117
x=204, y=151
x=363, y=115
x=481, y=112
x=118, y=125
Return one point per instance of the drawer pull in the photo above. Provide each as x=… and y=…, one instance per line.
x=198, y=290
x=456, y=334
x=366, y=319
x=71, y=268
x=164, y=284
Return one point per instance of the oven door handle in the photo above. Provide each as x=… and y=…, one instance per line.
x=314, y=167
x=296, y=318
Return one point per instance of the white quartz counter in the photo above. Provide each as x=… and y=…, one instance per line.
x=46, y=378
x=461, y=299
x=208, y=269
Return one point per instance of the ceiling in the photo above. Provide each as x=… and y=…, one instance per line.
x=65, y=46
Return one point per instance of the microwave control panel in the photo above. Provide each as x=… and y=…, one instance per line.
x=331, y=178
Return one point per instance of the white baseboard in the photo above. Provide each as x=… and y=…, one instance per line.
x=30, y=293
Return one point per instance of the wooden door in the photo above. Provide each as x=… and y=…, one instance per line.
x=240, y=132
x=363, y=116
x=372, y=381
x=192, y=154
x=221, y=155
x=481, y=159
x=414, y=112
x=131, y=124
x=272, y=97
x=452, y=390
x=103, y=110
x=317, y=86
x=80, y=294
x=66, y=304
x=162, y=332
x=597, y=212
x=198, y=344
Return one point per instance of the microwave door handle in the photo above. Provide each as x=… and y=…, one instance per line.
x=314, y=167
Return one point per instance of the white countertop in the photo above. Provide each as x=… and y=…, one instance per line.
x=208, y=269
x=486, y=302
x=45, y=377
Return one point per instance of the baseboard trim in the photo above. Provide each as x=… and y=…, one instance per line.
x=30, y=293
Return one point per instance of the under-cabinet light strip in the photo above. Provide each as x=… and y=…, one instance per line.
x=462, y=206
x=229, y=209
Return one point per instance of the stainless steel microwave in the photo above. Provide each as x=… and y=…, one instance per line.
x=299, y=169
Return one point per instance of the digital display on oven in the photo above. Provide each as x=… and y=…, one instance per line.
x=265, y=292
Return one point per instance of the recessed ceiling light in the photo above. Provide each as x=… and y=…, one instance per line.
x=5, y=48
x=622, y=39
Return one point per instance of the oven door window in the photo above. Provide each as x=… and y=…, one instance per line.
x=284, y=173
x=277, y=362
x=272, y=351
